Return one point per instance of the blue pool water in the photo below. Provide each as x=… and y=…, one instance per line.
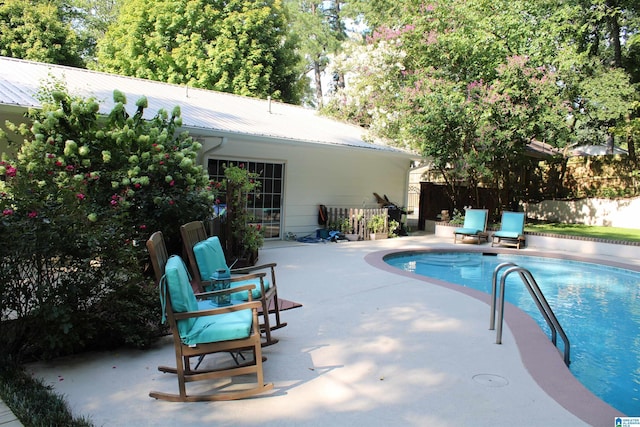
x=597, y=306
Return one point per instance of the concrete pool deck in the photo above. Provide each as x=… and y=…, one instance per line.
x=370, y=346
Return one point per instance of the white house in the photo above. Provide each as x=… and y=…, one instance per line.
x=305, y=159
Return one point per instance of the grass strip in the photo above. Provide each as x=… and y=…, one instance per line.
x=593, y=231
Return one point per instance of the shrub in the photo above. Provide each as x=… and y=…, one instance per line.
x=33, y=402
x=83, y=194
x=243, y=236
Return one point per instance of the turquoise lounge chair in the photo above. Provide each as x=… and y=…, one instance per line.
x=511, y=231
x=475, y=226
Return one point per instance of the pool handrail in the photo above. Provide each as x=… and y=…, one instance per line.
x=539, y=299
x=494, y=285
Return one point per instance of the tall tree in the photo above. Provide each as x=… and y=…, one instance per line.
x=39, y=31
x=236, y=46
x=319, y=29
x=90, y=20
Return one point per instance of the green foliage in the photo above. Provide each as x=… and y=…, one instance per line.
x=34, y=403
x=469, y=84
x=457, y=217
x=393, y=228
x=91, y=19
x=246, y=237
x=318, y=30
x=38, y=31
x=237, y=46
x=376, y=224
x=83, y=194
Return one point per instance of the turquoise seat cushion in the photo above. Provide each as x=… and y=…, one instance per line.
x=219, y=327
x=507, y=234
x=256, y=293
x=210, y=258
x=467, y=231
x=180, y=292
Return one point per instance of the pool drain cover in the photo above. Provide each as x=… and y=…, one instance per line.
x=491, y=380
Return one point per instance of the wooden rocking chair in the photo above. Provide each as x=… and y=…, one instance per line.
x=210, y=258
x=201, y=328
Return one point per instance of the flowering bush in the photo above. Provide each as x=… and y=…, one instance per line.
x=79, y=200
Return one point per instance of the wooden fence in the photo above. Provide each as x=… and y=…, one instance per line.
x=357, y=218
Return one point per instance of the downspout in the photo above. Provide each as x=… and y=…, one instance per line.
x=209, y=144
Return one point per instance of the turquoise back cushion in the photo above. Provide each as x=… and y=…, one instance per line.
x=209, y=257
x=180, y=291
x=512, y=221
x=475, y=219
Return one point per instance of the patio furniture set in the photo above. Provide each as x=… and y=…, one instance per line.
x=511, y=232
x=213, y=309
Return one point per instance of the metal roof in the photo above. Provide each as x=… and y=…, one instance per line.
x=207, y=110
x=596, y=150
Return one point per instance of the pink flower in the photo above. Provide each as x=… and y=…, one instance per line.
x=172, y=183
x=80, y=196
x=7, y=212
x=171, y=202
x=143, y=227
x=69, y=168
x=32, y=214
x=11, y=171
x=58, y=163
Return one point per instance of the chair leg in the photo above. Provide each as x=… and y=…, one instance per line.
x=276, y=310
x=265, y=326
x=278, y=324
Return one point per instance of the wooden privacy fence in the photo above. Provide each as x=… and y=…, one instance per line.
x=358, y=218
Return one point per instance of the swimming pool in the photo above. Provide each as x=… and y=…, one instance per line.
x=598, y=307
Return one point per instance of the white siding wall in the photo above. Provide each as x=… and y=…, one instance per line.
x=322, y=174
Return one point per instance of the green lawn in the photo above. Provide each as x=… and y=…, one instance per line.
x=613, y=233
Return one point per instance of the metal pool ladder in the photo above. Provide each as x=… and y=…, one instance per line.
x=538, y=298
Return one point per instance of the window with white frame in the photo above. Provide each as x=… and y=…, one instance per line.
x=265, y=205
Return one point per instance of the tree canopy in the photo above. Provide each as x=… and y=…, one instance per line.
x=318, y=30
x=469, y=83
x=232, y=46
x=38, y=31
